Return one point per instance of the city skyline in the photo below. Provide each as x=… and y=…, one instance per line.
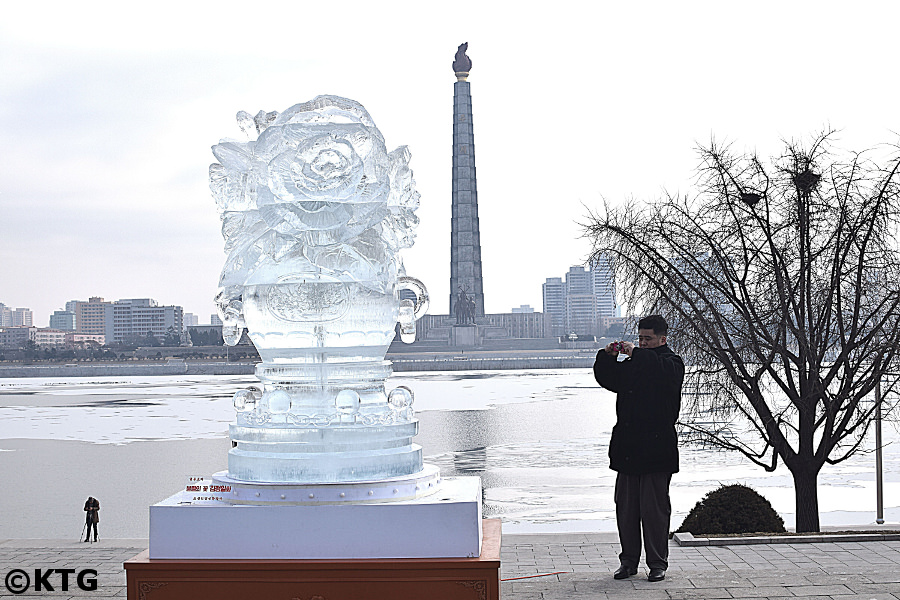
x=8, y=313
x=108, y=112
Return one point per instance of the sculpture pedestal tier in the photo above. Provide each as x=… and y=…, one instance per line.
x=476, y=578
x=409, y=487
x=340, y=521
x=324, y=455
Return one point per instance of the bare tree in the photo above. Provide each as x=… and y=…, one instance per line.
x=782, y=284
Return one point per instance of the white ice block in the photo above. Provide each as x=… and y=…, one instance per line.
x=446, y=524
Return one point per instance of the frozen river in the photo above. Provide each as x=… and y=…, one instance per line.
x=538, y=440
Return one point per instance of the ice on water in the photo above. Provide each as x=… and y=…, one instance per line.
x=315, y=211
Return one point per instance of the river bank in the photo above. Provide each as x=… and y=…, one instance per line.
x=139, y=368
x=443, y=362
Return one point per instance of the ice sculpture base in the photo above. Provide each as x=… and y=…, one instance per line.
x=342, y=453
x=410, y=487
x=444, y=524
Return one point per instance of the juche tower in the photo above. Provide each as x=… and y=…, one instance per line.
x=465, y=236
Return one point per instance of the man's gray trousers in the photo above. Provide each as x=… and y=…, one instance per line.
x=642, y=501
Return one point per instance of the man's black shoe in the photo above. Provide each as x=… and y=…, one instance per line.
x=656, y=575
x=624, y=572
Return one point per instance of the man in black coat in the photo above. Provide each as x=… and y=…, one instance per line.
x=644, y=446
x=91, y=517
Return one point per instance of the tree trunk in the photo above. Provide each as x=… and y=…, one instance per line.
x=806, y=494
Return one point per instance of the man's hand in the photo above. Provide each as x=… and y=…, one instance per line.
x=614, y=348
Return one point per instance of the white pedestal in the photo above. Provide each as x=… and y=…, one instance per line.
x=445, y=524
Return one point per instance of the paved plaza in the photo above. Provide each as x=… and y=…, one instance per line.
x=582, y=565
x=819, y=570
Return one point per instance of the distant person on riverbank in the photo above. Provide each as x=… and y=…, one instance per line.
x=91, y=517
x=643, y=449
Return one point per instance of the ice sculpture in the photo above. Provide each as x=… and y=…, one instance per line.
x=314, y=213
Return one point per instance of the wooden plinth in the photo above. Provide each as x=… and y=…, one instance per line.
x=394, y=579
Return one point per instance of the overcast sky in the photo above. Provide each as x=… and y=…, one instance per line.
x=108, y=112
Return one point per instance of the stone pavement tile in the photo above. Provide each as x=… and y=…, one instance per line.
x=806, y=565
x=714, y=566
x=687, y=566
x=516, y=539
x=628, y=593
x=537, y=584
x=769, y=554
x=829, y=565
x=572, y=576
x=553, y=595
x=779, y=580
x=758, y=565
x=841, y=555
x=867, y=597
x=673, y=581
x=692, y=594
x=729, y=580
x=516, y=569
x=820, y=590
x=838, y=579
x=582, y=569
x=830, y=548
x=606, y=585
x=788, y=597
x=886, y=562
x=867, y=588
x=758, y=591
x=531, y=587
x=857, y=545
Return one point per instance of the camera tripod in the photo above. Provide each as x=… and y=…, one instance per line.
x=85, y=528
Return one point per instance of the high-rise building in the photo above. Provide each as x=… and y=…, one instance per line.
x=603, y=282
x=16, y=317
x=555, y=304
x=125, y=320
x=465, y=234
x=137, y=318
x=23, y=317
x=581, y=302
x=578, y=281
x=215, y=320
x=93, y=317
x=191, y=320
x=63, y=320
